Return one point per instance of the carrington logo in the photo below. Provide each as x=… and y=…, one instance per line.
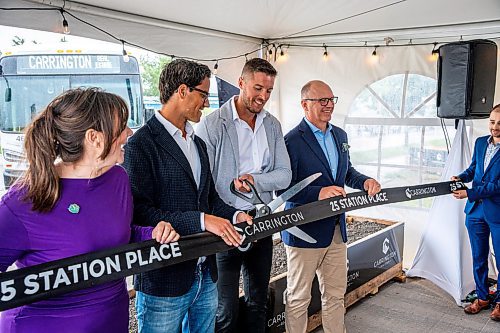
x=419, y=191
x=385, y=246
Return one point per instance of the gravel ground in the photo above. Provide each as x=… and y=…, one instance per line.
x=355, y=230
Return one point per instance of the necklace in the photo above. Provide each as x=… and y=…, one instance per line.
x=74, y=208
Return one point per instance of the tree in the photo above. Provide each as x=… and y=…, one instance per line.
x=151, y=69
x=16, y=41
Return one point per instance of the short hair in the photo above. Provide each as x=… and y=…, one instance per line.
x=496, y=108
x=258, y=65
x=180, y=71
x=305, y=90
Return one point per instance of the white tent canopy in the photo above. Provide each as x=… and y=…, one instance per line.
x=217, y=29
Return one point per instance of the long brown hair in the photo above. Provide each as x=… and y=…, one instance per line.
x=59, y=132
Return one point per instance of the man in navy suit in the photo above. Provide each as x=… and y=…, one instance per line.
x=171, y=181
x=483, y=211
x=314, y=146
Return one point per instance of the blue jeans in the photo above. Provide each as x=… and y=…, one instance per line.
x=255, y=265
x=193, y=312
x=479, y=235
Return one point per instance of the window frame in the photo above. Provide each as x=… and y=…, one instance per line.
x=402, y=119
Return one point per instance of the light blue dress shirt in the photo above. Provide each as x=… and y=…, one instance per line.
x=328, y=145
x=491, y=150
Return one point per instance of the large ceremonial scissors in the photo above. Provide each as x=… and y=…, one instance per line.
x=263, y=209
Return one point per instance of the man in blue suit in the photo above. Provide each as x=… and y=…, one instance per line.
x=314, y=146
x=483, y=211
x=171, y=181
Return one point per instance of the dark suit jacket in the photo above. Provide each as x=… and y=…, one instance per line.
x=307, y=158
x=485, y=183
x=164, y=188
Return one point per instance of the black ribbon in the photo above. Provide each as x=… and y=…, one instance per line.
x=35, y=283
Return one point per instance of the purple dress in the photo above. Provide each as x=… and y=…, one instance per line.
x=30, y=238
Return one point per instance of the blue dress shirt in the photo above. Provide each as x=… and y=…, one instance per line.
x=328, y=145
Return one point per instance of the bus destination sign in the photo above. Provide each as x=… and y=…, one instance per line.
x=68, y=64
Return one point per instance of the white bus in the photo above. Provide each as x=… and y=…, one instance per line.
x=28, y=82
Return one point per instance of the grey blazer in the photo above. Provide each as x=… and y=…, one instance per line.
x=219, y=133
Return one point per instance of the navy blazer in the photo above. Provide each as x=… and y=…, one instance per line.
x=164, y=188
x=485, y=183
x=307, y=158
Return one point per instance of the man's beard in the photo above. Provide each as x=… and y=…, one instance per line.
x=248, y=105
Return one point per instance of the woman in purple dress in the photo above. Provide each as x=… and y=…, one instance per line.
x=73, y=199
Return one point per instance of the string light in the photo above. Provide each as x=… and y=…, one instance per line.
x=434, y=53
x=434, y=50
x=325, y=54
x=64, y=22
x=282, y=53
x=126, y=58
x=216, y=66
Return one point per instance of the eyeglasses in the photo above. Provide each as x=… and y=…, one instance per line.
x=203, y=93
x=323, y=101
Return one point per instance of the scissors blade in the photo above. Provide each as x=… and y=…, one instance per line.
x=273, y=205
x=301, y=234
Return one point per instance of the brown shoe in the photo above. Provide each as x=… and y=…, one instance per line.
x=495, y=314
x=477, y=306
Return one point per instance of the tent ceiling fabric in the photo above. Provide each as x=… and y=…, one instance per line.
x=217, y=28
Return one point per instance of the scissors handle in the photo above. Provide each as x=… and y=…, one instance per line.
x=254, y=198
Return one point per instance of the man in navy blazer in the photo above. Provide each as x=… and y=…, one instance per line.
x=314, y=146
x=483, y=211
x=171, y=181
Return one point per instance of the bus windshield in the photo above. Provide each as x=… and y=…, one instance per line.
x=30, y=94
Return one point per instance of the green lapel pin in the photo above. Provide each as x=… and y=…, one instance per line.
x=74, y=208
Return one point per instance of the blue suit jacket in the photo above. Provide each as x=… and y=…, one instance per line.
x=164, y=188
x=485, y=183
x=306, y=158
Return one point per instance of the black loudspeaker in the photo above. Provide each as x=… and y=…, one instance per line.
x=466, y=79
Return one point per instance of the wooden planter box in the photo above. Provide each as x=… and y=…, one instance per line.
x=373, y=260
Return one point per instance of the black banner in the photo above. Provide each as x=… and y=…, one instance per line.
x=374, y=255
x=54, y=278
x=367, y=258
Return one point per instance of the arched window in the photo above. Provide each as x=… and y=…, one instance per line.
x=395, y=135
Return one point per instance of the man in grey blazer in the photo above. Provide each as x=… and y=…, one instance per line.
x=245, y=142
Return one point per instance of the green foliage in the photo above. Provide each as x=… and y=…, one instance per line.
x=151, y=69
x=16, y=41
